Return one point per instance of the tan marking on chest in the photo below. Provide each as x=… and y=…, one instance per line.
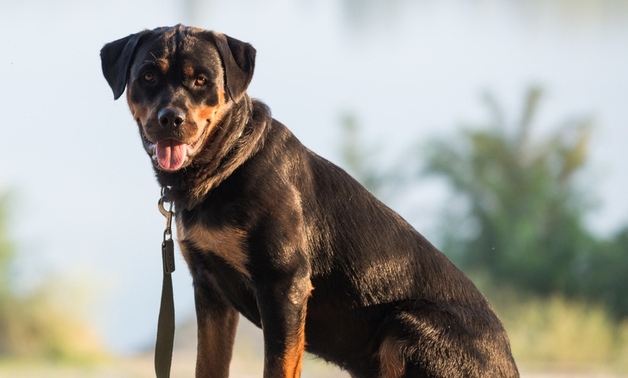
x=227, y=243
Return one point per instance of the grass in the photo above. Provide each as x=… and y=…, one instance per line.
x=555, y=333
x=551, y=334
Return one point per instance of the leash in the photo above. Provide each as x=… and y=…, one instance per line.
x=165, y=324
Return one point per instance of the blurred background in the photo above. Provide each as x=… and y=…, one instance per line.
x=497, y=128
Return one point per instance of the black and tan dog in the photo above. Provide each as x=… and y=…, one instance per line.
x=284, y=237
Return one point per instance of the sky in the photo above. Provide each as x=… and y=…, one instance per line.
x=83, y=194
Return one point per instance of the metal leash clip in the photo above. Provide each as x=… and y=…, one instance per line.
x=167, y=246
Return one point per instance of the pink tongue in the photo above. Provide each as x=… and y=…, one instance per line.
x=170, y=154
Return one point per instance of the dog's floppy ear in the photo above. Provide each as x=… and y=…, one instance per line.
x=116, y=59
x=238, y=62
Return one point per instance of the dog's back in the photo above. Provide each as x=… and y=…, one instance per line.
x=386, y=299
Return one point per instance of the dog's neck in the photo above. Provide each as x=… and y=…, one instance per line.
x=238, y=136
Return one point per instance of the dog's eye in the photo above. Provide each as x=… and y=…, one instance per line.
x=200, y=81
x=149, y=77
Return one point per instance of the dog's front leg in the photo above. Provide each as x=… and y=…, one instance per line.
x=283, y=305
x=217, y=322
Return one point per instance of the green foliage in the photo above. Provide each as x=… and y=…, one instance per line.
x=525, y=219
x=524, y=224
x=607, y=273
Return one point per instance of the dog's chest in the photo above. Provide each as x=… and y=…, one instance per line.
x=228, y=243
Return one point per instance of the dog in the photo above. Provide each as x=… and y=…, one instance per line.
x=274, y=232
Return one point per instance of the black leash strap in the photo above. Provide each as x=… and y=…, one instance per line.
x=165, y=325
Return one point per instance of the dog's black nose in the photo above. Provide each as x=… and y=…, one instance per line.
x=171, y=117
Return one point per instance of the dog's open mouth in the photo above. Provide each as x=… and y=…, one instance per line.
x=172, y=154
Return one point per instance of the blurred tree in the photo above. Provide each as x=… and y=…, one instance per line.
x=525, y=215
x=521, y=219
x=607, y=278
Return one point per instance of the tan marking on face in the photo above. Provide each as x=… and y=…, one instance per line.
x=162, y=64
x=227, y=243
x=391, y=361
x=211, y=113
x=188, y=71
x=140, y=113
x=206, y=113
x=204, y=118
x=221, y=97
x=209, y=116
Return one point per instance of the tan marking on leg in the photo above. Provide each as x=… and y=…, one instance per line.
x=293, y=359
x=391, y=362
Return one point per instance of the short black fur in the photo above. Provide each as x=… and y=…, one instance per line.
x=289, y=240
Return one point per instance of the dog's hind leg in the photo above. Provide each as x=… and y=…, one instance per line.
x=391, y=360
x=441, y=342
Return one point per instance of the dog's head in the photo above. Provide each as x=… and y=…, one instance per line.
x=180, y=82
